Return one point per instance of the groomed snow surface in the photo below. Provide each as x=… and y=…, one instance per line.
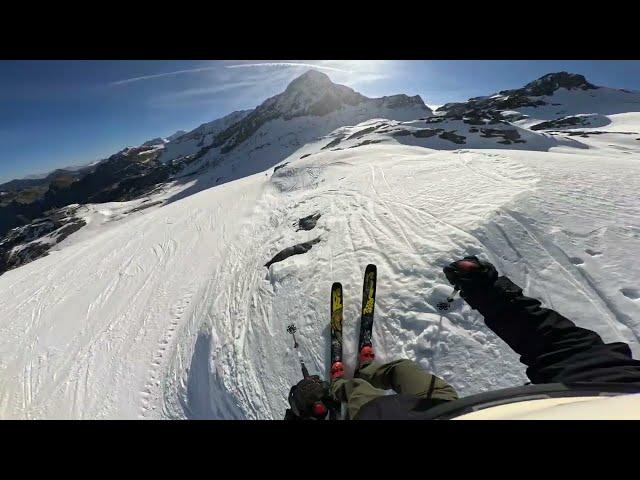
x=169, y=312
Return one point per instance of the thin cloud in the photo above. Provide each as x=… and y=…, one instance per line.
x=192, y=95
x=287, y=64
x=241, y=65
x=158, y=75
x=194, y=92
x=369, y=77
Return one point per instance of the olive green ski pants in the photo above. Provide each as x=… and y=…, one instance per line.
x=402, y=376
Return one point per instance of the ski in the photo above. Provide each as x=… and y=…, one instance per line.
x=337, y=368
x=365, y=342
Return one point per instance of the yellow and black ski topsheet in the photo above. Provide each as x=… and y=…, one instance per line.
x=336, y=368
x=368, y=306
x=336, y=323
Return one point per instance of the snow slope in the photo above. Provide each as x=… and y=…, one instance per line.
x=169, y=312
x=602, y=102
x=190, y=143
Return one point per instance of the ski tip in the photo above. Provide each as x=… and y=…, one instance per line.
x=336, y=285
x=371, y=266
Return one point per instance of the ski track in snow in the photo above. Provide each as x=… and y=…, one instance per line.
x=172, y=314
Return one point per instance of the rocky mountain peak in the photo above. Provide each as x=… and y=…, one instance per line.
x=483, y=108
x=176, y=135
x=551, y=82
x=312, y=94
x=154, y=142
x=311, y=79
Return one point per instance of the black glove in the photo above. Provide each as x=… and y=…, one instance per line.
x=309, y=398
x=470, y=275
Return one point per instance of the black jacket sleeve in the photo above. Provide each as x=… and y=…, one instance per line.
x=553, y=347
x=289, y=415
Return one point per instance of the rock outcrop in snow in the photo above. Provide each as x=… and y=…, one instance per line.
x=490, y=107
x=124, y=176
x=551, y=97
x=32, y=241
x=550, y=83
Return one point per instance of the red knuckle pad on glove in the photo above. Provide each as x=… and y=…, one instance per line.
x=319, y=409
x=466, y=265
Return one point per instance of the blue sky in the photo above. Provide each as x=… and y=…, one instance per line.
x=60, y=113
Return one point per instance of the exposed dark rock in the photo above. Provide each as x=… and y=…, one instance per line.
x=560, y=123
x=124, y=176
x=585, y=134
x=512, y=116
x=153, y=142
x=362, y=132
x=187, y=175
x=303, y=156
x=196, y=156
x=427, y=132
x=400, y=101
x=23, y=196
x=22, y=192
x=260, y=147
x=207, y=131
x=473, y=119
x=32, y=252
x=59, y=175
x=483, y=117
x=24, y=244
x=548, y=84
x=476, y=109
x=308, y=223
x=144, y=206
x=401, y=133
x=473, y=130
x=278, y=167
x=333, y=143
x=452, y=137
x=366, y=142
x=295, y=250
x=435, y=119
x=72, y=227
x=506, y=134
